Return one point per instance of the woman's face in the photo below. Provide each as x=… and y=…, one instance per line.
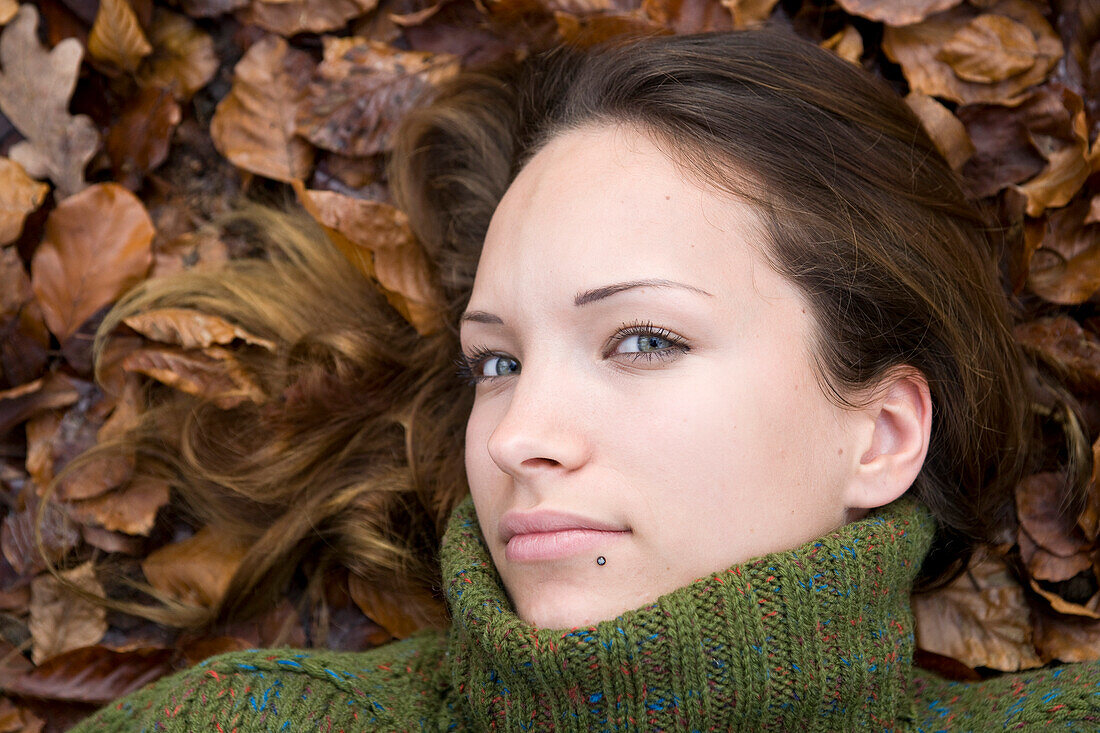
x=645, y=387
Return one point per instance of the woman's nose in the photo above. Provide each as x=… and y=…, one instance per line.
x=541, y=428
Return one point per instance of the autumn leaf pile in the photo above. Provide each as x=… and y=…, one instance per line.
x=128, y=125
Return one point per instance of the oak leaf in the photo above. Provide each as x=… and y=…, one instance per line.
x=191, y=329
x=981, y=619
x=62, y=620
x=183, y=58
x=254, y=125
x=197, y=570
x=896, y=12
x=35, y=87
x=97, y=245
x=117, y=37
x=19, y=195
x=362, y=88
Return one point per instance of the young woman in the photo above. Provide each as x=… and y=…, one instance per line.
x=742, y=375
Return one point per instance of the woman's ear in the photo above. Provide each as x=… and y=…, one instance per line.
x=894, y=442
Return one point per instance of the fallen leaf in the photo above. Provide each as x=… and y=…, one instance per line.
x=291, y=17
x=1039, y=505
x=683, y=16
x=199, y=250
x=24, y=339
x=25, y=401
x=191, y=329
x=362, y=88
x=846, y=43
x=131, y=509
x=210, y=8
x=8, y=9
x=116, y=36
x=35, y=87
x=1067, y=639
x=1046, y=566
x=981, y=619
x=19, y=195
x=254, y=125
x=896, y=12
x=394, y=613
x=91, y=674
x=1061, y=342
x=377, y=239
x=1065, y=269
x=945, y=129
x=1068, y=163
x=590, y=30
x=61, y=620
x=1089, y=609
x=195, y=651
x=97, y=246
x=59, y=535
x=917, y=48
x=138, y=142
x=183, y=58
x=990, y=48
x=211, y=373
x=749, y=13
x=197, y=570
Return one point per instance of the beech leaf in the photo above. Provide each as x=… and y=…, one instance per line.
x=62, y=620
x=211, y=373
x=254, y=125
x=35, y=87
x=116, y=36
x=131, y=509
x=97, y=245
x=90, y=674
x=138, y=142
x=191, y=329
x=290, y=17
x=896, y=12
x=197, y=570
x=947, y=132
x=183, y=58
x=19, y=195
x=990, y=48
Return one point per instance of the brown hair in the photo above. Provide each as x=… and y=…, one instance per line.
x=356, y=456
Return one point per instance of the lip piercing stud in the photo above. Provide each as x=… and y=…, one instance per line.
x=600, y=560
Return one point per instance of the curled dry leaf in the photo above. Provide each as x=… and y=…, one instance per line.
x=918, y=49
x=117, y=37
x=947, y=132
x=981, y=619
x=377, y=239
x=35, y=87
x=131, y=509
x=1065, y=268
x=197, y=570
x=361, y=90
x=138, y=142
x=1089, y=609
x=846, y=43
x=211, y=373
x=62, y=620
x=45, y=393
x=183, y=60
x=1067, y=639
x=97, y=245
x=896, y=12
x=1046, y=566
x=91, y=674
x=254, y=125
x=19, y=195
x=1068, y=162
x=59, y=535
x=1040, y=507
x=291, y=17
x=1061, y=342
x=191, y=329
x=990, y=48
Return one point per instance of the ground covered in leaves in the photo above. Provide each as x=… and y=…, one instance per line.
x=129, y=124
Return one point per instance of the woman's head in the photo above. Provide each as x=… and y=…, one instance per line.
x=836, y=278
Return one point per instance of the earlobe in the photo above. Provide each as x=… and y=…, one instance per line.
x=896, y=443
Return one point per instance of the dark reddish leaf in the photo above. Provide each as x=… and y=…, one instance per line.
x=93, y=674
x=138, y=142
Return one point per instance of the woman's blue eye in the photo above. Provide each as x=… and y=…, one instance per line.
x=645, y=343
x=499, y=366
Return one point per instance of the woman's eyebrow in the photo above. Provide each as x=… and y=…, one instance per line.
x=589, y=296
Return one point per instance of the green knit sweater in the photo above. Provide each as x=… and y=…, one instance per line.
x=816, y=639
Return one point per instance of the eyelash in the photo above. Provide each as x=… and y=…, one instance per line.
x=468, y=363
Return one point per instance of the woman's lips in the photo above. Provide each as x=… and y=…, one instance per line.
x=559, y=544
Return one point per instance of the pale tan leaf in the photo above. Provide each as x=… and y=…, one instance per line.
x=97, y=245
x=990, y=48
x=191, y=329
x=254, y=125
x=116, y=36
x=62, y=620
x=19, y=195
x=35, y=87
x=846, y=43
x=197, y=570
x=945, y=129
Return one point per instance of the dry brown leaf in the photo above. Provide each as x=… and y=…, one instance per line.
x=27, y=400
x=35, y=87
x=676, y=16
x=846, y=43
x=1044, y=518
x=211, y=373
x=917, y=49
x=19, y=195
x=60, y=619
x=981, y=619
x=254, y=125
x=8, y=9
x=990, y=48
x=749, y=13
x=131, y=509
x=1068, y=163
x=896, y=12
x=1067, y=639
x=183, y=58
x=199, y=250
x=97, y=246
x=387, y=610
x=59, y=535
x=138, y=142
x=1061, y=342
x=1090, y=609
x=305, y=16
x=377, y=239
x=197, y=570
x=92, y=674
x=1065, y=269
x=593, y=29
x=191, y=329
x=1046, y=566
x=947, y=132
x=116, y=36
x=361, y=90
x=18, y=720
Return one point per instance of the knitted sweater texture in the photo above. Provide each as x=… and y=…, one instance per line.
x=819, y=638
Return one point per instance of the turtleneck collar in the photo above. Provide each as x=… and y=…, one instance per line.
x=817, y=638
